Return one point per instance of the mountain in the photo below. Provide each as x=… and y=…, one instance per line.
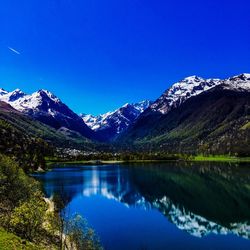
x=181, y=91
x=23, y=126
x=14, y=139
x=193, y=86
x=3, y=92
x=197, y=115
x=187, y=194
x=48, y=109
x=109, y=125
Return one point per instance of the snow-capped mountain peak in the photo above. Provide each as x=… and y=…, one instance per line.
x=15, y=95
x=241, y=77
x=194, y=85
x=47, y=108
x=25, y=103
x=91, y=121
x=125, y=105
x=143, y=105
x=191, y=79
x=3, y=92
x=48, y=94
x=113, y=123
x=238, y=83
x=12, y=97
x=181, y=91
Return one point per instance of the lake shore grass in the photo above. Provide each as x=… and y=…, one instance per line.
x=9, y=241
x=50, y=164
x=198, y=158
x=83, y=162
x=220, y=158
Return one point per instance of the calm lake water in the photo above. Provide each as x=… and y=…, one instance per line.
x=159, y=206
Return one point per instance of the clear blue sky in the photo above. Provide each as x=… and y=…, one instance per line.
x=99, y=54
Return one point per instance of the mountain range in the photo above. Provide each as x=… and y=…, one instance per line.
x=111, y=124
x=196, y=115
x=17, y=128
x=47, y=108
x=193, y=115
x=50, y=110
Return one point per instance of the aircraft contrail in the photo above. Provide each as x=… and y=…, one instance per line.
x=13, y=50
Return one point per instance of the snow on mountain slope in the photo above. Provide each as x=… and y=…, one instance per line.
x=194, y=85
x=91, y=120
x=47, y=108
x=14, y=98
x=112, y=123
x=181, y=91
x=238, y=83
x=34, y=102
x=195, y=224
x=3, y=92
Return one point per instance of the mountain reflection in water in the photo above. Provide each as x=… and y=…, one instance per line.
x=198, y=199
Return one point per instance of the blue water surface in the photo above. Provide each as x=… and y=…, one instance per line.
x=158, y=206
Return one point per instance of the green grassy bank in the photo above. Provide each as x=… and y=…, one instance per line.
x=10, y=241
x=186, y=158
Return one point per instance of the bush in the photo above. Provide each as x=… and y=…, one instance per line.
x=15, y=185
x=27, y=219
x=80, y=235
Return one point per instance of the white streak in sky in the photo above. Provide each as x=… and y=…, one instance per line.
x=13, y=50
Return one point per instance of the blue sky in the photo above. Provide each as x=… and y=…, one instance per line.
x=97, y=55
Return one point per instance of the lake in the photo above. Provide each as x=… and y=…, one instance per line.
x=158, y=206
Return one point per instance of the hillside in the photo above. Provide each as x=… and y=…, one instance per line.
x=194, y=115
x=21, y=134
x=48, y=109
x=109, y=125
x=215, y=121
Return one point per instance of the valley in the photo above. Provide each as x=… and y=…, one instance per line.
x=150, y=158
x=124, y=125
x=194, y=116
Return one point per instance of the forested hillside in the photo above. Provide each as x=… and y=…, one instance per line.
x=214, y=122
x=28, y=140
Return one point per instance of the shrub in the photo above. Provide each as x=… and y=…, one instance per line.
x=27, y=219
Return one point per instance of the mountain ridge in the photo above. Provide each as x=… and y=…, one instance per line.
x=166, y=121
x=14, y=120
x=113, y=123
x=191, y=86
x=214, y=121
x=48, y=109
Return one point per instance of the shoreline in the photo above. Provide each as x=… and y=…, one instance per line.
x=225, y=159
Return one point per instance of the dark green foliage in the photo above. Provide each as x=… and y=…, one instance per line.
x=27, y=219
x=9, y=241
x=22, y=208
x=215, y=122
x=81, y=236
x=28, y=141
x=24, y=212
x=15, y=185
x=206, y=189
x=28, y=151
x=9, y=117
